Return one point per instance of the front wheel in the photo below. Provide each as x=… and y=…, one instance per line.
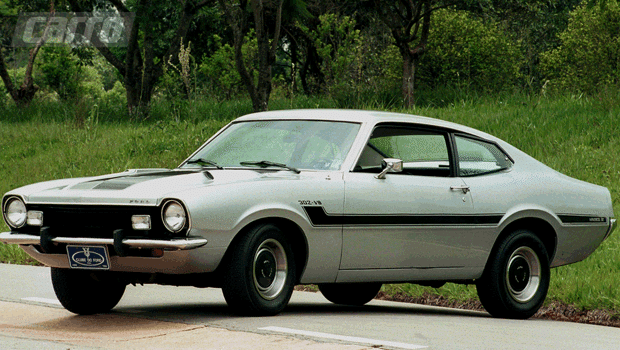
x=516, y=279
x=356, y=294
x=84, y=292
x=261, y=272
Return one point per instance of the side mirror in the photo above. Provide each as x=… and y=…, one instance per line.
x=390, y=165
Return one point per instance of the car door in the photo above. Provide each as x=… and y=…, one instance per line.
x=420, y=218
x=486, y=169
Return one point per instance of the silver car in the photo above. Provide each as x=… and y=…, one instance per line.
x=347, y=200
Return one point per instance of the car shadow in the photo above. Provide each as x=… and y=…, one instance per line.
x=214, y=312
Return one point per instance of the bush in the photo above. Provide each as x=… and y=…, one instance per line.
x=58, y=70
x=589, y=55
x=466, y=52
x=17, y=75
x=117, y=96
x=220, y=70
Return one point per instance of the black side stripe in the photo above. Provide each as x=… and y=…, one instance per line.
x=319, y=217
x=581, y=219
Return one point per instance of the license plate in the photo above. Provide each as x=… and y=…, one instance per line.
x=88, y=257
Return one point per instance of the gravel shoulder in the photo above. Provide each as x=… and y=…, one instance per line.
x=555, y=311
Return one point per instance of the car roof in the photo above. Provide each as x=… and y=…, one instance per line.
x=361, y=116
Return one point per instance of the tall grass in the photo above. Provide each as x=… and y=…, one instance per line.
x=576, y=135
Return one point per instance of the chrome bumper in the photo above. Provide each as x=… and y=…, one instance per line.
x=612, y=226
x=173, y=244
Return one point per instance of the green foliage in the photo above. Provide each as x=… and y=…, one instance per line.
x=535, y=24
x=179, y=79
x=220, y=71
x=589, y=56
x=108, y=75
x=339, y=45
x=91, y=83
x=357, y=65
x=466, y=52
x=115, y=97
x=59, y=70
x=17, y=75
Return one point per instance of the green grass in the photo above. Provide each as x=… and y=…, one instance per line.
x=575, y=135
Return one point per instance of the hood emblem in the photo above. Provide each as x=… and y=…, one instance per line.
x=139, y=201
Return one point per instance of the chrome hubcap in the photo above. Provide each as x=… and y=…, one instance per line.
x=269, y=269
x=523, y=274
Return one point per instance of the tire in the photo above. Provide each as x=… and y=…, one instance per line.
x=356, y=294
x=86, y=292
x=516, y=279
x=260, y=272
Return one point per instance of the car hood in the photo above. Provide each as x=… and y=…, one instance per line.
x=134, y=187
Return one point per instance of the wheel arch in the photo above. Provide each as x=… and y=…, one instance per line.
x=542, y=228
x=297, y=237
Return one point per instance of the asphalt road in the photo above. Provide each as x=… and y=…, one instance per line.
x=185, y=317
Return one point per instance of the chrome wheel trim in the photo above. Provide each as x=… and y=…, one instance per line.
x=523, y=274
x=269, y=269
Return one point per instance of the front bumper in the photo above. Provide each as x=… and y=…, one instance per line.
x=171, y=244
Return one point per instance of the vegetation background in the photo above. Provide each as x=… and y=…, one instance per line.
x=544, y=76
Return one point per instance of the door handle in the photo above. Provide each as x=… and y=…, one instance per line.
x=463, y=188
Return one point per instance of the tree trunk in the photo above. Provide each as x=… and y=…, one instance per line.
x=139, y=98
x=260, y=92
x=23, y=95
x=409, y=22
x=408, y=79
x=312, y=79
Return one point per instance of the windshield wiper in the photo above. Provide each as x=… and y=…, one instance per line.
x=266, y=163
x=204, y=161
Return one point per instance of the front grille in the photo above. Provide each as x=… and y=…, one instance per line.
x=97, y=221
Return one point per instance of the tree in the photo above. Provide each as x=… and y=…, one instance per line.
x=154, y=40
x=469, y=53
x=24, y=94
x=536, y=24
x=588, y=58
x=409, y=22
x=238, y=18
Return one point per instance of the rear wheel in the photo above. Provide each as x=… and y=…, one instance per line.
x=516, y=279
x=261, y=272
x=350, y=293
x=85, y=292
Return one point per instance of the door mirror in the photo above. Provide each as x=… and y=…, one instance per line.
x=390, y=165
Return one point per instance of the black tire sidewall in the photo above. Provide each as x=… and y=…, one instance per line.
x=81, y=293
x=238, y=287
x=355, y=294
x=493, y=289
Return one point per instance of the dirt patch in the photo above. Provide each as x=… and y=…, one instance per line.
x=554, y=311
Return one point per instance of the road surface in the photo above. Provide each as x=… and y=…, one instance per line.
x=154, y=316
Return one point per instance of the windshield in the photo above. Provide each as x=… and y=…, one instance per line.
x=299, y=144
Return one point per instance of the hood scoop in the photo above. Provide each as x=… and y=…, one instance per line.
x=115, y=184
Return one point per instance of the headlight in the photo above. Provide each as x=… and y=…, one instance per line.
x=173, y=215
x=15, y=212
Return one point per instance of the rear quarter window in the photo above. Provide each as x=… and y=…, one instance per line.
x=477, y=157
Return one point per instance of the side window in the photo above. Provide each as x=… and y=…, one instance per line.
x=477, y=157
x=423, y=152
